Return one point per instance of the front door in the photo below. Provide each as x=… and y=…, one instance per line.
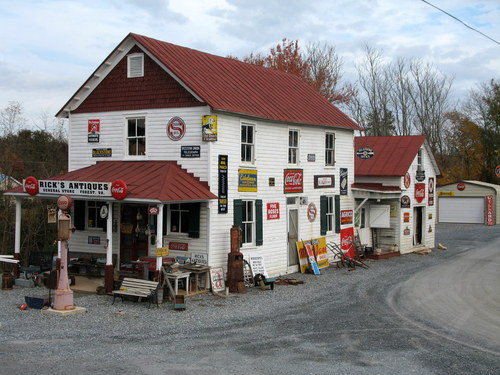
x=417, y=226
x=133, y=233
x=293, y=235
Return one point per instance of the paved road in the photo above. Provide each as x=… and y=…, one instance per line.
x=434, y=314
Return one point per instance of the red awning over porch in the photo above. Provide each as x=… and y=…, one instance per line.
x=162, y=181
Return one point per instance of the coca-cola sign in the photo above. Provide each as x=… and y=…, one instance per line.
x=30, y=185
x=419, y=192
x=293, y=181
x=347, y=241
x=119, y=189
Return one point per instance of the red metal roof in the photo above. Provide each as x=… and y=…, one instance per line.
x=163, y=181
x=233, y=86
x=376, y=187
x=392, y=156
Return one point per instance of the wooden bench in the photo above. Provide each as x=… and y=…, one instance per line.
x=137, y=288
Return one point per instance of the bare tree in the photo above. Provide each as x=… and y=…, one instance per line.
x=11, y=119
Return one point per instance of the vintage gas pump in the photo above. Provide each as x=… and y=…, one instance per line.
x=235, y=274
x=63, y=298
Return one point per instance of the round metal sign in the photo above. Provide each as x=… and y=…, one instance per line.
x=119, y=189
x=311, y=212
x=461, y=186
x=31, y=186
x=176, y=128
x=103, y=212
x=407, y=180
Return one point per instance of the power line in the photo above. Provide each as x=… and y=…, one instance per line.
x=462, y=22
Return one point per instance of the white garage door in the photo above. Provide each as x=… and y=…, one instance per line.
x=461, y=210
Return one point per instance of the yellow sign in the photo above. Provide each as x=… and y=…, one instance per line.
x=162, y=251
x=446, y=193
x=209, y=128
x=319, y=246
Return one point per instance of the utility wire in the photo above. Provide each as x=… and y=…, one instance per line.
x=459, y=20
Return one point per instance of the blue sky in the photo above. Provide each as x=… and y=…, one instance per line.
x=48, y=48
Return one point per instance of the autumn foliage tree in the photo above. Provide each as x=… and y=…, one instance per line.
x=320, y=67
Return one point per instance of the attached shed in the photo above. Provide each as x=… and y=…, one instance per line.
x=469, y=202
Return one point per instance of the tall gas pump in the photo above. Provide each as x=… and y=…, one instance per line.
x=63, y=297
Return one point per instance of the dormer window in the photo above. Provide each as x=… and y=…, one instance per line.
x=135, y=65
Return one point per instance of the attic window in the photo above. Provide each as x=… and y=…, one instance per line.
x=135, y=65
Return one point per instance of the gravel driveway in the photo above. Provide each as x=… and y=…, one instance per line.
x=414, y=314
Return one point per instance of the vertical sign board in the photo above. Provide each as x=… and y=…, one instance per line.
x=347, y=241
x=209, y=128
x=312, y=259
x=343, y=181
x=489, y=210
x=217, y=278
x=94, y=129
x=223, y=184
x=257, y=264
x=419, y=192
x=430, y=200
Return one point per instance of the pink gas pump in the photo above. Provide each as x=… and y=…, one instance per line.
x=63, y=297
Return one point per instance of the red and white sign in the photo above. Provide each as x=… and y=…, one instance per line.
x=64, y=202
x=431, y=191
x=311, y=212
x=94, y=126
x=497, y=170
x=407, y=180
x=461, y=186
x=31, y=186
x=419, y=192
x=346, y=216
x=347, y=241
x=176, y=128
x=294, y=181
x=181, y=246
x=119, y=189
x=489, y=209
x=273, y=211
x=153, y=210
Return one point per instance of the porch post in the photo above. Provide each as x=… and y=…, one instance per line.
x=109, y=273
x=17, y=240
x=159, y=237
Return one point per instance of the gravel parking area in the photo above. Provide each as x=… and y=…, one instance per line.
x=339, y=322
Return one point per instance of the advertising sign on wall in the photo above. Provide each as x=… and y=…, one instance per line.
x=430, y=200
x=343, y=181
x=94, y=129
x=190, y=151
x=347, y=241
x=419, y=192
x=489, y=209
x=346, y=216
x=247, y=180
x=176, y=128
x=209, y=128
x=273, y=211
x=223, y=184
x=324, y=181
x=293, y=181
x=102, y=152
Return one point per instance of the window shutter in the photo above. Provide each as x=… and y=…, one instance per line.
x=337, y=214
x=194, y=220
x=79, y=215
x=238, y=212
x=259, y=238
x=323, y=203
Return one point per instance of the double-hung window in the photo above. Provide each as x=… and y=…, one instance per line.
x=248, y=216
x=293, y=147
x=136, y=136
x=247, y=143
x=179, y=219
x=330, y=149
x=329, y=214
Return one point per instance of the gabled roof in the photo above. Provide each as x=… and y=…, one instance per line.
x=392, y=155
x=227, y=85
x=162, y=181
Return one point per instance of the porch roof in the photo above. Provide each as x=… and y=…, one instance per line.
x=378, y=188
x=161, y=181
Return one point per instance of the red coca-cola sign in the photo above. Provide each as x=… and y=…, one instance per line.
x=119, y=189
x=293, y=181
x=419, y=192
x=31, y=186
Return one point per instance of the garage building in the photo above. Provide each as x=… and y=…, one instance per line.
x=469, y=202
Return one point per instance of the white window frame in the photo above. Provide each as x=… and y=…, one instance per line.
x=329, y=151
x=248, y=145
x=128, y=138
x=248, y=221
x=96, y=205
x=330, y=214
x=181, y=208
x=420, y=159
x=293, y=146
x=135, y=65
